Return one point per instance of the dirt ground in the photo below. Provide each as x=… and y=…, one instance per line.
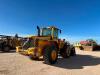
x=85, y=63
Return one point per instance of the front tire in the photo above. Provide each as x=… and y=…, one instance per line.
x=50, y=55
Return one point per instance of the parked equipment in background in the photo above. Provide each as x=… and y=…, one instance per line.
x=46, y=44
x=88, y=45
x=8, y=43
x=78, y=46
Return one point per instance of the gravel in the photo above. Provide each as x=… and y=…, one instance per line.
x=85, y=63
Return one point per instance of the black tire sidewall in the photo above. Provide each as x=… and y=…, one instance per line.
x=65, y=52
x=54, y=48
x=73, y=52
x=68, y=51
x=47, y=55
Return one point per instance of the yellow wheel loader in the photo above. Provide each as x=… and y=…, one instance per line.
x=46, y=44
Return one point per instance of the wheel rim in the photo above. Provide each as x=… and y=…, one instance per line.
x=53, y=55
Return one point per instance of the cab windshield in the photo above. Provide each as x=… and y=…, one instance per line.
x=46, y=32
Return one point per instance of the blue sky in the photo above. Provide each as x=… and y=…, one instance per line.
x=78, y=19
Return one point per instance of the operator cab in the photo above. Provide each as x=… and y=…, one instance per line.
x=50, y=31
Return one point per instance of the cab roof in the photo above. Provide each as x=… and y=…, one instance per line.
x=50, y=27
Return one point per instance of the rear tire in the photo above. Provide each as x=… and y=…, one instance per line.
x=65, y=52
x=73, y=52
x=49, y=53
